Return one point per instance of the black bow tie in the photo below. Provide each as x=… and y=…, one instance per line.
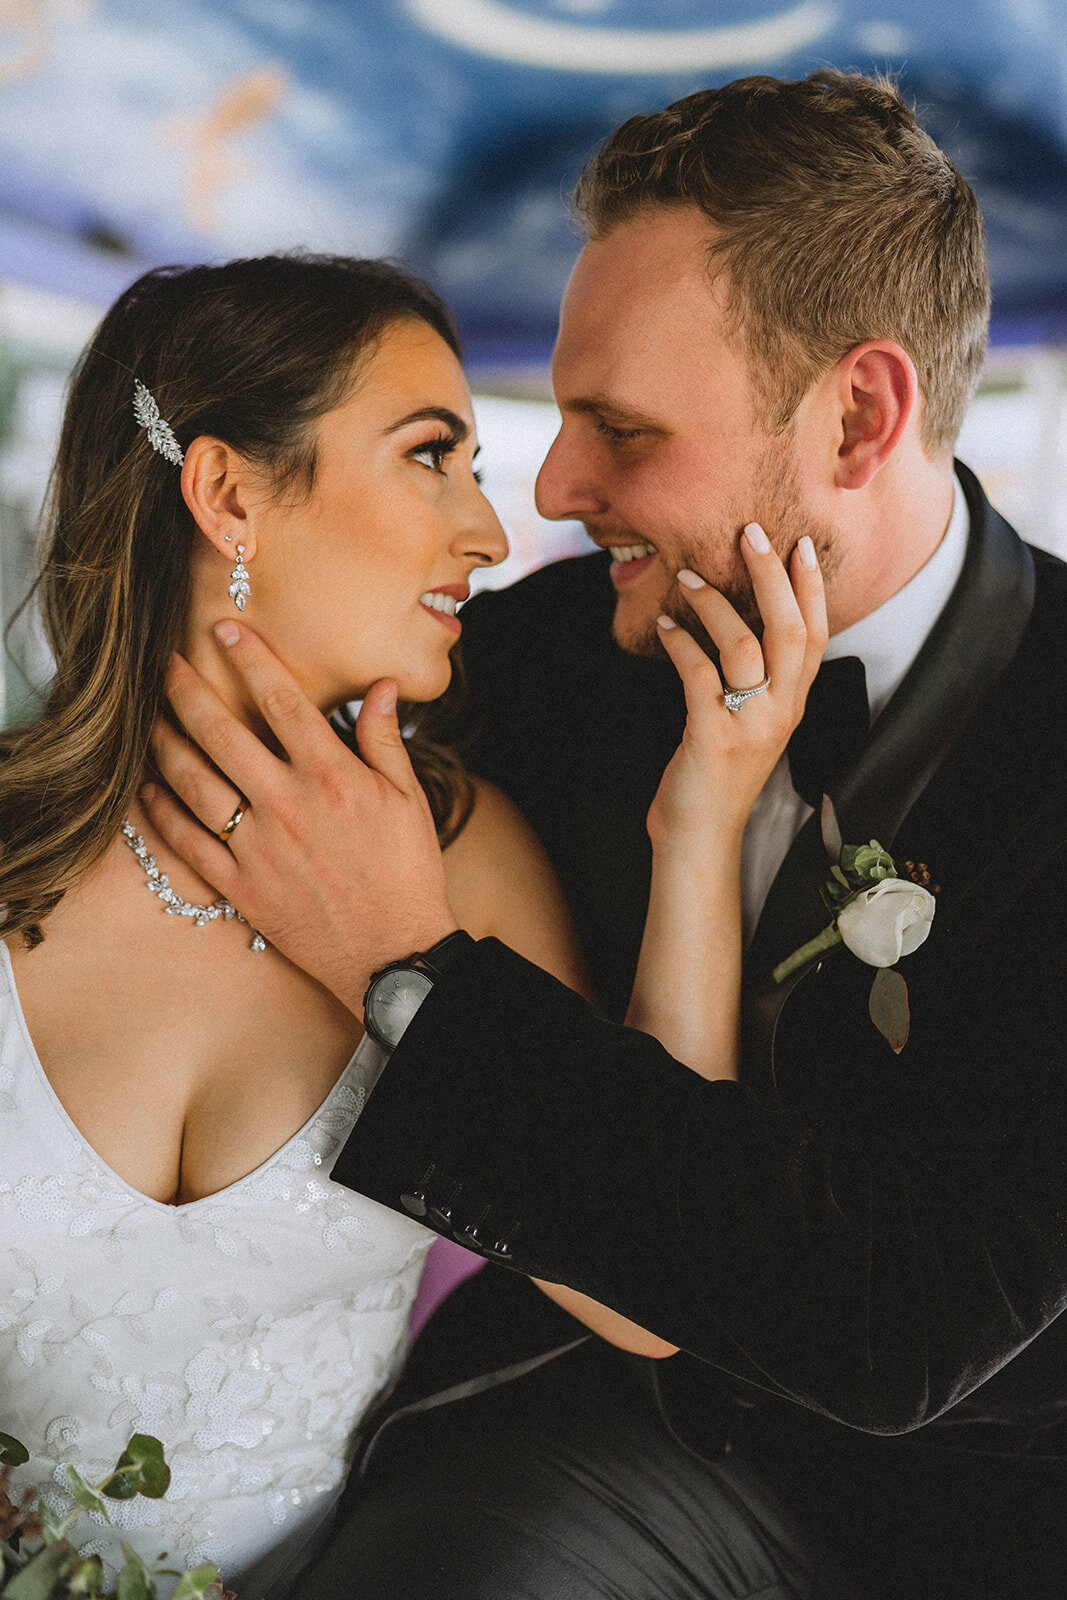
x=833, y=730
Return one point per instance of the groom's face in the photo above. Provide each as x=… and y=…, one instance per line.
x=662, y=452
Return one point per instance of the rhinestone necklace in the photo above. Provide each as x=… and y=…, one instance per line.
x=159, y=884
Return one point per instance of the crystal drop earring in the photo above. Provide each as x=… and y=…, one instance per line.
x=239, y=590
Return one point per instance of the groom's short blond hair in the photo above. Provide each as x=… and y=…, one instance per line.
x=837, y=220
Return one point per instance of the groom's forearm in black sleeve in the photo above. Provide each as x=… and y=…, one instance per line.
x=846, y=1262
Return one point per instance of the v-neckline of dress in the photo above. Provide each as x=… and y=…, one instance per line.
x=364, y=1050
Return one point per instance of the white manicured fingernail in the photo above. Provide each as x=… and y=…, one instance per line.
x=757, y=539
x=691, y=580
x=807, y=553
x=665, y=622
x=388, y=699
x=227, y=632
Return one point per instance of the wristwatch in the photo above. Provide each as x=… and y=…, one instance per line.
x=395, y=994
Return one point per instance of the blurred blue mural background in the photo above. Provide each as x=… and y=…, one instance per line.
x=449, y=132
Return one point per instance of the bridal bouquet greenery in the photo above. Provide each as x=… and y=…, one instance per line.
x=38, y=1561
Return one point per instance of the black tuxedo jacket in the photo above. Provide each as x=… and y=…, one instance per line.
x=880, y=1238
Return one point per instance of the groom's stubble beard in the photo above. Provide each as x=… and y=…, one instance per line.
x=777, y=496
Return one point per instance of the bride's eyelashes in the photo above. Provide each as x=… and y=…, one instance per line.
x=438, y=449
x=433, y=453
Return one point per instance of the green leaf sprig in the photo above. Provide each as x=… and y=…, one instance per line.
x=39, y=1562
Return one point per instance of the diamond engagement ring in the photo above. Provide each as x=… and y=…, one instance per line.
x=735, y=698
x=234, y=820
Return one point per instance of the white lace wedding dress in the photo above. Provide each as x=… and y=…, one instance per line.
x=249, y=1331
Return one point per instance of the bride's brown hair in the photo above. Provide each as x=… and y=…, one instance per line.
x=252, y=352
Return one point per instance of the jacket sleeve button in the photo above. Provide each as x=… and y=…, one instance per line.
x=415, y=1203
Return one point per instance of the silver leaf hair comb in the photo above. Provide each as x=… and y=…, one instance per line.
x=160, y=434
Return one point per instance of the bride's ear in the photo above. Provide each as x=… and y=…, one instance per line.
x=217, y=486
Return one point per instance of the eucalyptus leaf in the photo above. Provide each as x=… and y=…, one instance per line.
x=87, y=1578
x=121, y=1485
x=889, y=1008
x=87, y=1498
x=198, y=1583
x=871, y=863
x=140, y=1469
x=135, y=1580
x=12, y=1451
x=40, y=1577
x=831, y=830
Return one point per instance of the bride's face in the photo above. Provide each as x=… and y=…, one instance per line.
x=343, y=580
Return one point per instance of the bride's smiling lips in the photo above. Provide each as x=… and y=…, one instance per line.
x=441, y=603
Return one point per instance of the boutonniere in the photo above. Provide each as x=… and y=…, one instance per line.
x=878, y=914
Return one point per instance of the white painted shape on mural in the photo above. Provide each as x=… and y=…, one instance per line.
x=884, y=39
x=491, y=28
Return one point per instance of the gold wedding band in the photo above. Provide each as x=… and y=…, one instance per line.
x=234, y=820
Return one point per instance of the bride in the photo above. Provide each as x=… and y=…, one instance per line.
x=295, y=434
x=291, y=438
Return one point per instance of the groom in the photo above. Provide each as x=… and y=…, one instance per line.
x=780, y=314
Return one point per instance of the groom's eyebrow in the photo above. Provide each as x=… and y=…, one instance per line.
x=603, y=406
x=451, y=420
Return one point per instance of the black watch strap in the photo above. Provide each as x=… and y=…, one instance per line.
x=440, y=956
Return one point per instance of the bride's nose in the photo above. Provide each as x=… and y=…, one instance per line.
x=481, y=537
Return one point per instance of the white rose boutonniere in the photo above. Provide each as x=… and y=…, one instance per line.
x=878, y=915
x=887, y=922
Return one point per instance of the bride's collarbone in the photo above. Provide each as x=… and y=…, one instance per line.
x=183, y=1057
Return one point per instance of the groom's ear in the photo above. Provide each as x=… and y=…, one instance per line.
x=219, y=488
x=876, y=392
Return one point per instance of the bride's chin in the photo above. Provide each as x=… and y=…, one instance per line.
x=428, y=682
x=417, y=688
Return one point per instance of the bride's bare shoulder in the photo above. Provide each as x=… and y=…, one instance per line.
x=502, y=885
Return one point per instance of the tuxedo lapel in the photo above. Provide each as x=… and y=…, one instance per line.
x=969, y=647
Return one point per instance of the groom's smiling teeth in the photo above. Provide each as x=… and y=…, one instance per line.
x=631, y=552
x=630, y=562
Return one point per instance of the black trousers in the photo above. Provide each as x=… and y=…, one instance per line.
x=534, y=1490
x=565, y=1482
x=560, y=1482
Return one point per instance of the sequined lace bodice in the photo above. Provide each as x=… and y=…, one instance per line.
x=249, y=1330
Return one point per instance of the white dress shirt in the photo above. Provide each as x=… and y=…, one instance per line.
x=887, y=641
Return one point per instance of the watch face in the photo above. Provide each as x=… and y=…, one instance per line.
x=393, y=1000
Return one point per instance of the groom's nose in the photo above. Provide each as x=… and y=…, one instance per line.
x=566, y=487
